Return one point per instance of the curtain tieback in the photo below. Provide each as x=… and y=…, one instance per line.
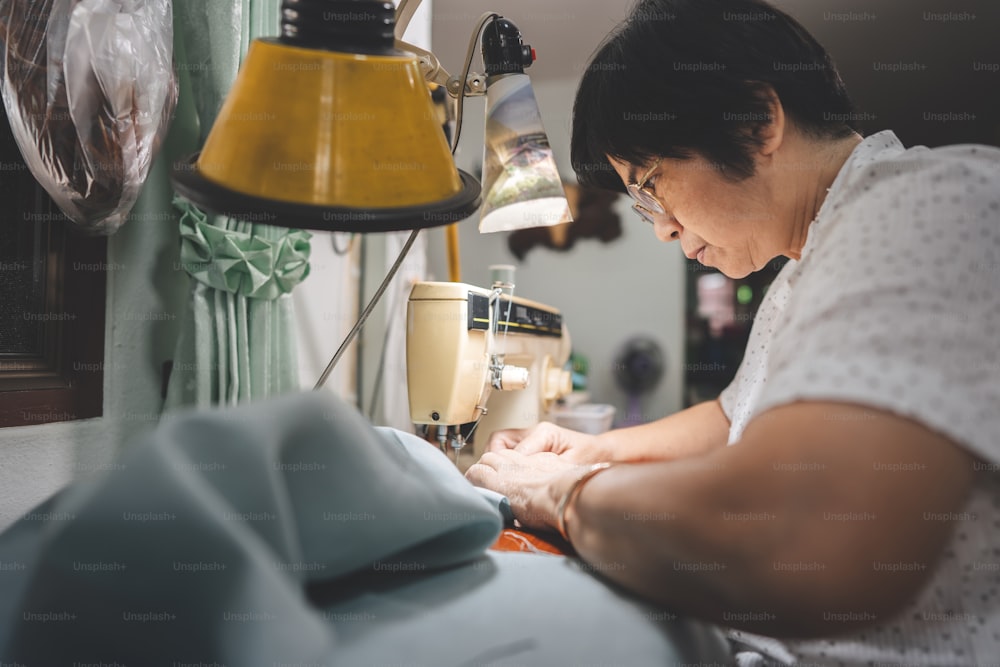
x=238, y=262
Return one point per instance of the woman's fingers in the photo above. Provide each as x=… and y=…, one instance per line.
x=506, y=439
x=482, y=474
x=525, y=480
x=545, y=437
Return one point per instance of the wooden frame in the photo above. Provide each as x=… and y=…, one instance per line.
x=63, y=378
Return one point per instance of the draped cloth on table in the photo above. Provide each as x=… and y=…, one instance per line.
x=199, y=545
x=289, y=531
x=237, y=342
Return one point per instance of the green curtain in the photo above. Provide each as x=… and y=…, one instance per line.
x=238, y=339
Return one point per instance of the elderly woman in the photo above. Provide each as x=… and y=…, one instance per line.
x=838, y=503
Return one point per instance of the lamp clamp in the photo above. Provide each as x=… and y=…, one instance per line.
x=503, y=52
x=430, y=67
x=475, y=85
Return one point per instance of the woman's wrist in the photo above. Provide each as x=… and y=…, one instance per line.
x=629, y=444
x=572, y=491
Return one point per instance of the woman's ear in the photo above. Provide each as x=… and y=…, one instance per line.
x=771, y=133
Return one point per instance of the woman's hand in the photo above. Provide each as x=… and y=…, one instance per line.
x=572, y=446
x=533, y=483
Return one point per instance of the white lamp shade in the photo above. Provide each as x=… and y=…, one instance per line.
x=521, y=184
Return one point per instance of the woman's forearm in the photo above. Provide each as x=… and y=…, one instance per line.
x=691, y=432
x=750, y=536
x=655, y=528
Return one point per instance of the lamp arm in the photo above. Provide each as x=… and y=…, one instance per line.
x=434, y=72
x=469, y=84
x=475, y=84
x=430, y=66
x=404, y=13
x=478, y=80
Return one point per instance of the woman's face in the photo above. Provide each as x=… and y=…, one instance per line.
x=729, y=226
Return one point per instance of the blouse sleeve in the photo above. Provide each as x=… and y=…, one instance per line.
x=900, y=307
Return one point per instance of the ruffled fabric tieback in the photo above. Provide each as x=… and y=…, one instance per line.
x=239, y=262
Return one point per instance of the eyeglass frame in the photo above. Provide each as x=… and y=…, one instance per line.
x=646, y=202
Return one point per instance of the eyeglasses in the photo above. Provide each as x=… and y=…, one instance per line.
x=646, y=204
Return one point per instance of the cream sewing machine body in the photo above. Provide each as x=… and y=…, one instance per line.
x=479, y=355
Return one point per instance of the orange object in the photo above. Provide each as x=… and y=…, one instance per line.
x=512, y=539
x=454, y=262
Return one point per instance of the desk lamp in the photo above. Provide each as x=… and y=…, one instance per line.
x=331, y=126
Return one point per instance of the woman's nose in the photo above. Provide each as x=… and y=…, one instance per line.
x=667, y=228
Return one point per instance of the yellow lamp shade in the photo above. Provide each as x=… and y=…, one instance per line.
x=327, y=139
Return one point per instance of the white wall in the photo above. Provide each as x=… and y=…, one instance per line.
x=606, y=292
x=326, y=307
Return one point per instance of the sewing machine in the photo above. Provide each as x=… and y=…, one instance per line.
x=479, y=360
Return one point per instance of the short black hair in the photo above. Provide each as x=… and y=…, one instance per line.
x=679, y=78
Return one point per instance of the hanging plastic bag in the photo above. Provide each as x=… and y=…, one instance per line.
x=90, y=90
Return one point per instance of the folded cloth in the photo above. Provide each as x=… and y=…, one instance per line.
x=500, y=501
x=197, y=546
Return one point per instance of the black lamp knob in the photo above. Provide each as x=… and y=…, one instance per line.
x=503, y=50
x=353, y=26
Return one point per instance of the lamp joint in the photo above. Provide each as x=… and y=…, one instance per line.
x=475, y=85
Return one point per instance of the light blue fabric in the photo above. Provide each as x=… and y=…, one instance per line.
x=500, y=501
x=291, y=532
x=198, y=546
x=511, y=610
